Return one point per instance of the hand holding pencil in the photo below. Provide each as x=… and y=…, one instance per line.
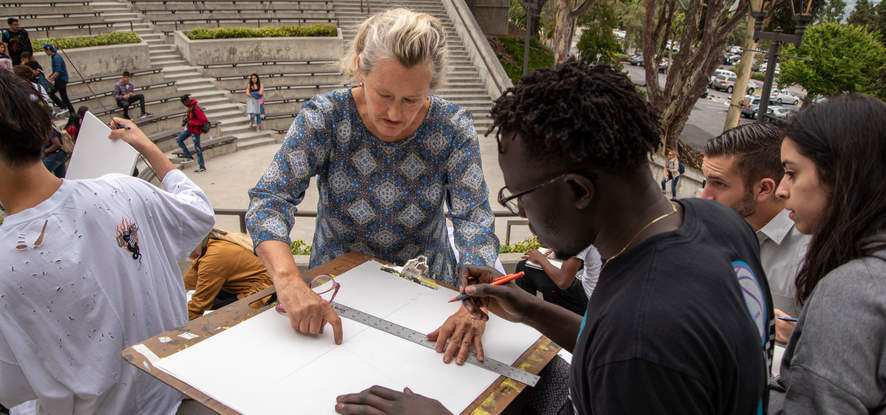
x=487, y=289
x=498, y=281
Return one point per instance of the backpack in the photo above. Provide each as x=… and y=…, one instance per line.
x=67, y=143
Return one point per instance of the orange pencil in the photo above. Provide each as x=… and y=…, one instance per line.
x=498, y=281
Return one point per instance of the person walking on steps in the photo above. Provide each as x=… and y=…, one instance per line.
x=193, y=126
x=59, y=79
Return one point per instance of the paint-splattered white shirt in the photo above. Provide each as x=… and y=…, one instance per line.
x=84, y=274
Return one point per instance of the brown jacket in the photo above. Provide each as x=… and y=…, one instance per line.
x=224, y=266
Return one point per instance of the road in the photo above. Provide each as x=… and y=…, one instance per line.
x=707, y=117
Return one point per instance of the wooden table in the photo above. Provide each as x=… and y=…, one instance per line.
x=493, y=400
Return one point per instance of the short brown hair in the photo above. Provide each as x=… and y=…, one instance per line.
x=756, y=148
x=22, y=116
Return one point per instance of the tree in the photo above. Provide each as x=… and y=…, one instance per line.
x=841, y=58
x=832, y=11
x=864, y=14
x=597, y=43
x=564, y=26
x=632, y=18
x=707, y=26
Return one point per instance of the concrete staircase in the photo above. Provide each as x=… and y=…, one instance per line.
x=463, y=84
x=229, y=116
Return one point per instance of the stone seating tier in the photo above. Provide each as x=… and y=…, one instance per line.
x=136, y=74
x=158, y=123
x=62, y=21
x=237, y=11
x=274, y=93
x=83, y=29
x=212, y=3
x=157, y=89
x=33, y=12
x=270, y=67
x=107, y=84
x=283, y=82
x=168, y=26
x=50, y=3
x=155, y=105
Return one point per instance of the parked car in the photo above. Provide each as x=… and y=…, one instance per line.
x=781, y=97
x=728, y=74
x=780, y=112
x=663, y=66
x=732, y=59
x=735, y=50
x=749, y=107
x=724, y=83
x=636, y=60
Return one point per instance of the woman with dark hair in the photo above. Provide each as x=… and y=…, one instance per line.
x=255, y=93
x=834, y=185
x=74, y=122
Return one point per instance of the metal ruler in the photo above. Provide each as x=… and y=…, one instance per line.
x=421, y=339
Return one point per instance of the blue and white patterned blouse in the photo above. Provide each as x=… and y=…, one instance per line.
x=381, y=199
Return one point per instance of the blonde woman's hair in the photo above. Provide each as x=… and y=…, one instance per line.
x=409, y=37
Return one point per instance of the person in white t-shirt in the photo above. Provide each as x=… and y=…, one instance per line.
x=88, y=268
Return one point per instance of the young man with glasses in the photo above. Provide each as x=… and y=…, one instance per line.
x=667, y=329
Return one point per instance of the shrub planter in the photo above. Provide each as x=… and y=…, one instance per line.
x=253, y=49
x=100, y=60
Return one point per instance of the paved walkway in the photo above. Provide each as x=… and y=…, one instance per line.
x=229, y=177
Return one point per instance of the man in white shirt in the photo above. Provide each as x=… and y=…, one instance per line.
x=88, y=267
x=743, y=168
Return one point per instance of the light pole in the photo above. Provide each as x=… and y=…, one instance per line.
x=531, y=7
x=760, y=12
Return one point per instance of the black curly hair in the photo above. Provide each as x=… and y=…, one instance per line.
x=580, y=113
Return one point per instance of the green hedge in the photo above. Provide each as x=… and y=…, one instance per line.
x=758, y=76
x=539, y=57
x=318, y=30
x=104, y=39
x=521, y=247
x=300, y=247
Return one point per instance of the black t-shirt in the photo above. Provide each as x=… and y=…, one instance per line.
x=680, y=324
x=18, y=42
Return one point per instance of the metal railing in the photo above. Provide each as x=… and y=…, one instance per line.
x=241, y=216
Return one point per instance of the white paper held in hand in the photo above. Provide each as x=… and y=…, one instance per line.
x=96, y=155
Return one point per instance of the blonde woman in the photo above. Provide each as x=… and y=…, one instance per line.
x=387, y=155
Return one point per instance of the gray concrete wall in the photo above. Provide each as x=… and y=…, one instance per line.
x=482, y=56
x=492, y=15
x=100, y=59
x=210, y=51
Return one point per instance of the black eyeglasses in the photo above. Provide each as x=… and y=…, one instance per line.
x=509, y=201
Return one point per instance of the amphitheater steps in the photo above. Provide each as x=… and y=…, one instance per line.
x=464, y=86
x=227, y=115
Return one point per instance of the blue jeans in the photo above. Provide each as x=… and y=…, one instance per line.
x=674, y=181
x=256, y=118
x=55, y=163
x=181, y=143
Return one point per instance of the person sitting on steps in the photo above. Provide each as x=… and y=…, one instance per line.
x=124, y=93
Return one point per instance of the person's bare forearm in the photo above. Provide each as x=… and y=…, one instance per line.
x=156, y=159
x=277, y=258
x=555, y=322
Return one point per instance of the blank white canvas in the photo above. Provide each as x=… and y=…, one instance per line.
x=96, y=155
x=261, y=366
